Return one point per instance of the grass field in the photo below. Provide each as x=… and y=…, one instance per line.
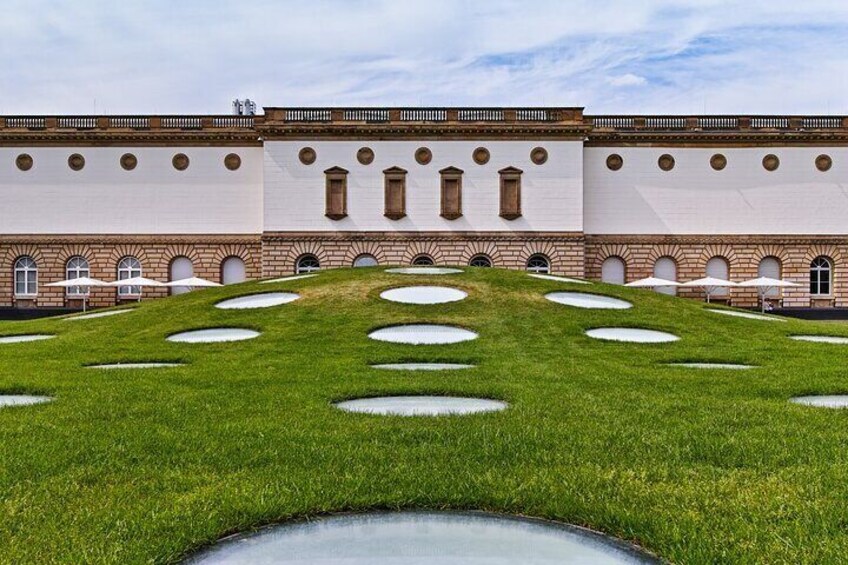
x=698, y=466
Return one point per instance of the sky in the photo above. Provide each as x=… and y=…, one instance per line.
x=611, y=57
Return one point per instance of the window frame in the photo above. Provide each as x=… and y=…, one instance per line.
x=508, y=176
x=422, y=260
x=300, y=269
x=816, y=270
x=394, y=178
x=335, y=175
x=29, y=272
x=362, y=256
x=131, y=270
x=450, y=180
x=538, y=270
x=75, y=272
x=481, y=256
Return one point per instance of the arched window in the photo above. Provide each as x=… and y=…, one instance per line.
x=365, y=260
x=480, y=261
x=666, y=268
x=423, y=261
x=770, y=267
x=307, y=264
x=181, y=268
x=539, y=264
x=129, y=268
x=233, y=271
x=717, y=267
x=77, y=267
x=613, y=270
x=26, y=277
x=821, y=276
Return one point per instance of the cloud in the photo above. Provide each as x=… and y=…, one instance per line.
x=628, y=79
x=652, y=56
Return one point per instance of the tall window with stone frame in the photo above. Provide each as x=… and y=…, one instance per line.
x=821, y=276
x=395, y=193
x=336, y=193
x=26, y=276
x=510, y=193
x=451, y=193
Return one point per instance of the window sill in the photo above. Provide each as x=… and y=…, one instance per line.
x=26, y=296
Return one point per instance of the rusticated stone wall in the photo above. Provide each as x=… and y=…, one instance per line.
x=280, y=251
x=51, y=254
x=743, y=255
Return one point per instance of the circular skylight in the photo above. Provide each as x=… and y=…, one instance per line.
x=584, y=300
x=423, y=334
x=423, y=295
x=631, y=335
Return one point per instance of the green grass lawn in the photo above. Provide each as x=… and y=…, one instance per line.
x=698, y=466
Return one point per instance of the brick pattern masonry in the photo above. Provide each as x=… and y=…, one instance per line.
x=570, y=254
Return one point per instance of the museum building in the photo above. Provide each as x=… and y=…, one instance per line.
x=613, y=198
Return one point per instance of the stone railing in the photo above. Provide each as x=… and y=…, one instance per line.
x=601, y=124
x=572, y=116
x=547, y=119
x=109, y=123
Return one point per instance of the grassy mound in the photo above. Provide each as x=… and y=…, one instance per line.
x=699, y=466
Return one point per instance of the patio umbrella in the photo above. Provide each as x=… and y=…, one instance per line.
x=83, y=283
x=192, y=282
x=140, y=282
x=765, y=284
x=652, y=282
x=710, y=284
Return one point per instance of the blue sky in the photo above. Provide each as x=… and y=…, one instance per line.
x=636, y=56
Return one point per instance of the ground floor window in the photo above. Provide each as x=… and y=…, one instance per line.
x=539, y=264
x=423, y=261
x=129, y=268
x=181, y=268
x=233, y=271
x=76, y=268
x=480, y=261
x=307, y=264
x=821, y=276
x=718, y=268
x=666, y=268
x=613, y=270
x=365, y=260
x=770, y=267
x=26, y=277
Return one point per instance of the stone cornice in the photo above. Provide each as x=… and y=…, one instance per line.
x=418, y=236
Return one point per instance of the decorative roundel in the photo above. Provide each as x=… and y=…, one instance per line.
x=539, y=155
x=76, y=162
x=614, y=162
x=232, y=161
x=718, y=161
x=481, y=155
x=423, y=155
x=180, y=161
x=824, y=163
x=24, y=162
x=666, y=162
x=307, y=155
x=128, y=161
x=365, y=156
x=771, y=162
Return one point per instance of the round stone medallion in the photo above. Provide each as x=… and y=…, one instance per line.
x=76, y=162
x=307, y=155
x=128, y=161
x=180, y=161
x=718, y=162
x=614, y=162
x=365, y=156
x=539, y=155
x=232, y=161
x=423, y=156
x=24, y=162
x=481, y=155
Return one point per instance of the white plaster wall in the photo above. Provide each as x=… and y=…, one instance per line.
x=154, y=198
x=552, y=193
x=692, y=198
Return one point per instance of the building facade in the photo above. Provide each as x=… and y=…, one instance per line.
x=612, y=198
